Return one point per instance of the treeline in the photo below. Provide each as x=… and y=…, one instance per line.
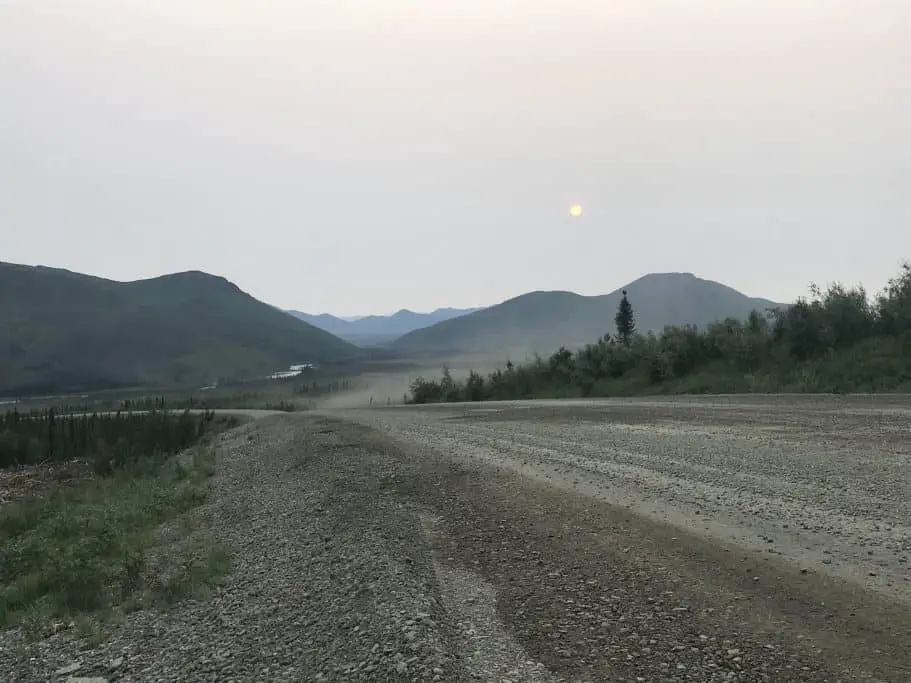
x=288, y=394
x=139, y=404
x=269, y=397
x=837, y=340
x=108, y=442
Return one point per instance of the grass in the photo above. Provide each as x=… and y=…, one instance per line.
x=94, y=548
x=196, y=575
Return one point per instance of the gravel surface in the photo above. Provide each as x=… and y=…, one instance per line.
x=545, y=542
x=823, y=482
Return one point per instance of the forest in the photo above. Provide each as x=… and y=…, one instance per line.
x=108, y=441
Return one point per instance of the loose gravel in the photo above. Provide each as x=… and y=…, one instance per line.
x=822, y=482
x=441, y=545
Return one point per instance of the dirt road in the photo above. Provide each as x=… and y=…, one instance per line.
x=742, y=540
x=822, y=482
x=794, y=513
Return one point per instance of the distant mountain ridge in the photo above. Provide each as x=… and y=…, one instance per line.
x=379, y=329
x=545, y=320
x=66, y=331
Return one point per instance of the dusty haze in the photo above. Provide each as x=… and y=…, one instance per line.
x=392, y=386
x=359, y=157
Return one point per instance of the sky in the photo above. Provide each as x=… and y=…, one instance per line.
x=358, y=156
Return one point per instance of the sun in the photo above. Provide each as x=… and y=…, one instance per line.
x=575, y=210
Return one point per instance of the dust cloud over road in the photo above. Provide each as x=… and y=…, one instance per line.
x=391, y=388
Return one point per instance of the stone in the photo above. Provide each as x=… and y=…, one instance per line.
x=68, y=669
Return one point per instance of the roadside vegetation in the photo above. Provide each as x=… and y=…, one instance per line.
x=838, y=340
x=101, y=514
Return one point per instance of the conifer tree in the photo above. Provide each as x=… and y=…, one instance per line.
x=625, y=321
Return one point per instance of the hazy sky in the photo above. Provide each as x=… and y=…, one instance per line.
x=357, y=156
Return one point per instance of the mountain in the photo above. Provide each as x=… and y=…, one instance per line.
x=61, y=330
x=380, y=329
x=544, y=321
x=324, y=321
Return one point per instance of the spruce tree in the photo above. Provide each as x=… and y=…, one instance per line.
x=625, y=321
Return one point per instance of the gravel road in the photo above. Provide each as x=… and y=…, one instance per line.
x=702, y=540
x=823, y=482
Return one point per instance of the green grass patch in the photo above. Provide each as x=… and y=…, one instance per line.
x=197, y=573
x=85, y=548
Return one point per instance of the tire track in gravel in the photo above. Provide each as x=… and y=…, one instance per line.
x=489, y=652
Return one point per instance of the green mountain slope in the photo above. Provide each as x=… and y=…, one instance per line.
x=544, y=321
x=61, y=330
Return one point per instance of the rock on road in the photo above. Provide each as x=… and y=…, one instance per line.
x=724, y=539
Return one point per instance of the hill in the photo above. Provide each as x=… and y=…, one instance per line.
x=380, y=329
x=543, y=321
x=324, y=321
x=65, y=331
